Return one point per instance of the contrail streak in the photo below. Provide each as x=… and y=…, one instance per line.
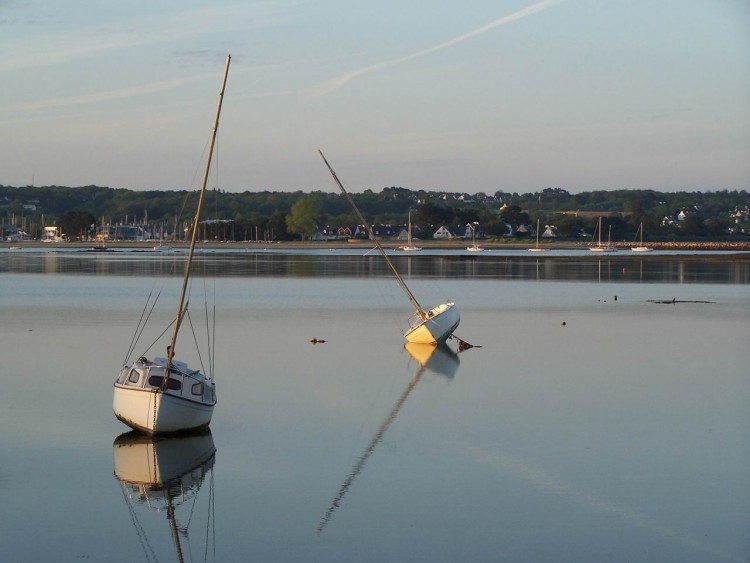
x=344, y=79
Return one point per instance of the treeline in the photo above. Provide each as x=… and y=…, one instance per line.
x=293, y=215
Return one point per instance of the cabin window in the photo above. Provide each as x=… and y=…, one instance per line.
x=157, y=381
x=134, y=376
x=197, y=389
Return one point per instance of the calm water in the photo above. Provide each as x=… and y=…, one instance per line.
x=621, y=435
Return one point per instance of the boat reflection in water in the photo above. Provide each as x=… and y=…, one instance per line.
x=161, y=474
x=440, y=360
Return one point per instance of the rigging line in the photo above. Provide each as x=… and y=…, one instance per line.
x=142, y=537
x=195, y=339
x=198, y=167
x=163, y=332
x=143, y=326
x=134, y=339
x=216, y=178
x=208, y=328
x=211, y=516
x=213, y=331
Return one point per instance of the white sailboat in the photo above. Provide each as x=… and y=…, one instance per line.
x=409, y=245
x=165, y=474
x=538, y=248
x=426, y=326
x=600, y=247
x=163, y=395
x=474, y=246
x=641, y=248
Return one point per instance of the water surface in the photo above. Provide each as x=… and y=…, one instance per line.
x=586, y=428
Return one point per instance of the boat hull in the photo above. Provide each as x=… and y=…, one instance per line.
x=437, y=327
x=641, y=249
x=153, y=411
x=603, y=249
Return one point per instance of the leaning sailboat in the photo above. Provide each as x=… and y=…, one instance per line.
x=163, y=395
x=426, y=326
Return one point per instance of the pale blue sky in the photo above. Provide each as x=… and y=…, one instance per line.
x=472, y=95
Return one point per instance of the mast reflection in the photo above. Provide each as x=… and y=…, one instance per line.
x=440, y=360
x=162, y=474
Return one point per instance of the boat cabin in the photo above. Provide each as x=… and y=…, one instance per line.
x=183, y=382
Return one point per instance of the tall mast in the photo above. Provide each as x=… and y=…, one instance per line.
x=408, y=233
x=196, y=221
x=400, y=280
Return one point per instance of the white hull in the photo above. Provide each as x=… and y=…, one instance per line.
x=603, y=249
x=410, y=248
x=474, y=248
x=437, y=328
x=641, y=249
x=537, y=249
x=140, y=402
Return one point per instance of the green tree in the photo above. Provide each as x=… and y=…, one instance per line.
x=513, y=215
x=75, y=224
x=568, y=226
x=303, y=220
x=693, y=225
x=277, y=227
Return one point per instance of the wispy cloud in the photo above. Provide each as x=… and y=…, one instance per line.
x=344, y=79
x=106, y=95
x=120, y=93
x=45, y=48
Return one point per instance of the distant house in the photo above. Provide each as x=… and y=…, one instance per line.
x=386, y=231
x=318, y=236
x=442, y=233
x=550, y=232
x=344, y=232
x=332, y=233
x=522, y=231
x=470, y=228
x=52, y=234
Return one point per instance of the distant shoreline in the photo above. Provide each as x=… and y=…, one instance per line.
x=391, y=245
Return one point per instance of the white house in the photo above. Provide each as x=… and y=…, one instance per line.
x=442, y=233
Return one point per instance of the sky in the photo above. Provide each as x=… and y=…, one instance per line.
x=462, y=96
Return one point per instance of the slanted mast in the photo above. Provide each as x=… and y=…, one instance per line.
x=420, y=312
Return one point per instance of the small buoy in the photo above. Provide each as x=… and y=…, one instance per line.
x=316, y=341
x=615, y=297
x=563, y=323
